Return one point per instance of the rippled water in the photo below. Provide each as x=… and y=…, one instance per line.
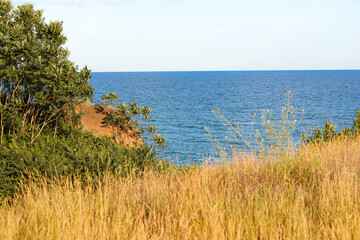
x=181, y=102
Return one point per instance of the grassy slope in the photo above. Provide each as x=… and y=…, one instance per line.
x=315, y=195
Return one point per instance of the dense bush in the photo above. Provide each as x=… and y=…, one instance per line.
x=80, y=154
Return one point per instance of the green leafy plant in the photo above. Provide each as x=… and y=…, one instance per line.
x=38, y=84
x=80, y=153
x=329, y=132
x=131, y=117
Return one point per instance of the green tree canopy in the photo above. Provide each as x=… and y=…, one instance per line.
x=38, y=84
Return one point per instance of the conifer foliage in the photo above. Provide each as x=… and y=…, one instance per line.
x=38, y=84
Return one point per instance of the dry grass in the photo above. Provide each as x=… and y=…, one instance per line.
x=314, y=195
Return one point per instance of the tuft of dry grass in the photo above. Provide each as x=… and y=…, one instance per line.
x=314, y=194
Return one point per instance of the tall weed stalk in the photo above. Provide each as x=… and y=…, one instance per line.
x=276, y=137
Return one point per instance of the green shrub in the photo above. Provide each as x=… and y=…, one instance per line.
x=80, y=154
x=131, y=117
x=329, y=132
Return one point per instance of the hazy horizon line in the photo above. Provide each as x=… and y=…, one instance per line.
x=260, y=70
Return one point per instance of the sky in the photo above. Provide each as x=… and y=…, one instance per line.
x=208, y=35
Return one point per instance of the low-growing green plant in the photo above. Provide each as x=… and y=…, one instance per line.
x=79, y=153
x=329, y=132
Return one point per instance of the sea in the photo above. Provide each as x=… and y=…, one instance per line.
x=182, y=103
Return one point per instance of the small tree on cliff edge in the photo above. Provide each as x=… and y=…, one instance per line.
x=38, y=84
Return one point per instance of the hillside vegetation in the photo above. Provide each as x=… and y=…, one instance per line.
x=313, y=195
x=41, y=132
x=58, y=181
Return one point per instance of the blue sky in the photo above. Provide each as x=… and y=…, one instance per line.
x=191, y=35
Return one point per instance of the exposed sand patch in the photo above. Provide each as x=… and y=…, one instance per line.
x=93, y=120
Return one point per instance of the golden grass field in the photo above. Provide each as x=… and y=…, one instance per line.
x=313, y=195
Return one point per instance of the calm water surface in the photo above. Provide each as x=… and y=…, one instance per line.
x=182, y=102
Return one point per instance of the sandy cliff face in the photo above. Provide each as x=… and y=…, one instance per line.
x=93, y=120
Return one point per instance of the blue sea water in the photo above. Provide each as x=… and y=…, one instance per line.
x=182, y=102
